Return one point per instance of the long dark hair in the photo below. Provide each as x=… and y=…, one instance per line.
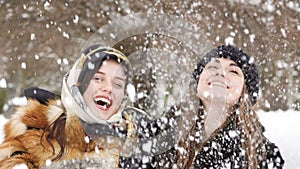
x=56, y=132
x=245, y=121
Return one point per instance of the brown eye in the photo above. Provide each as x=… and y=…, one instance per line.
x=98, y=79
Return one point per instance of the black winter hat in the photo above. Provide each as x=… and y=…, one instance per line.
x=244, y=61
x=95, y=55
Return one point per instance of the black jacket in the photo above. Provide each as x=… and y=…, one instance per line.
x=225, y=151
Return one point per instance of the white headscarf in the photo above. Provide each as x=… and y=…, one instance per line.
x=72, y=98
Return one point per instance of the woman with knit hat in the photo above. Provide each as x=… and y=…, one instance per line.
x=224, y=131
x=87, y=122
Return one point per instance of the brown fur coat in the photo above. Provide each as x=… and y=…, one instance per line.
x=25, y=141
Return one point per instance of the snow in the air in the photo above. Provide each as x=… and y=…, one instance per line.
x=282, y=128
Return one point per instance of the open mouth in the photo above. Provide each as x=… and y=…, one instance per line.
x=218, y=84
x=103, y=103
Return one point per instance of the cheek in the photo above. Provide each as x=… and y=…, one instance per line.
x=90, y=88
x=87, y=94
x=240, y=85
x=202, y=88
x=238, y=89
x=119, y=96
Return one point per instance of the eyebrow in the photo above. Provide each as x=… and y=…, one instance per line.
x=120, y=78
x=233, y=64
x=215, y=60
x=100, y=73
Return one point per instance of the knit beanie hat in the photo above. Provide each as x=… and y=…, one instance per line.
x=244, y=61
x=76, y=81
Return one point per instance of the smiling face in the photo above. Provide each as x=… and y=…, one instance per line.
x=105, y=92
x=221, y=81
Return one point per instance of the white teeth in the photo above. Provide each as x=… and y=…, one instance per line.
x=103, y=100
x=218, y=84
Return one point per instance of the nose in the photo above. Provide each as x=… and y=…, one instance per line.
x=107, y=86
x=220, y=72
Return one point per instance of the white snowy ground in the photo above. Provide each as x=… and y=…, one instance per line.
x=282, y=128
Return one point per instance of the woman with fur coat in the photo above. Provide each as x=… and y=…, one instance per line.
x=87, y=122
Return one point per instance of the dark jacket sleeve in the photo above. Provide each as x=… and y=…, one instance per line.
x=158, y=136
x=274, y=157
x=42, y=95
x=152, y=127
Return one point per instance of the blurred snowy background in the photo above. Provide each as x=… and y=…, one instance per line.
x=39, y=41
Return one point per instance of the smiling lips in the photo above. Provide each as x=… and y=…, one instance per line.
x=103, y=102
x=216, y=83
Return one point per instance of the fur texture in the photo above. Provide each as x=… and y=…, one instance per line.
x=24, y=142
